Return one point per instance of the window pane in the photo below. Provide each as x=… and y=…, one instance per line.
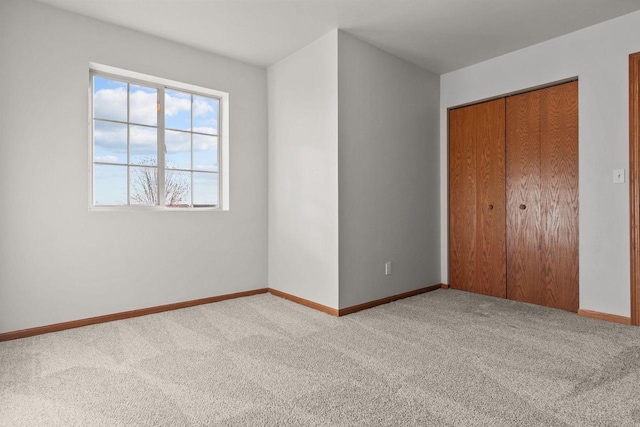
x=178, y=189
x=109, y=185
x=205, y=190
x=205, y=152
x=178, y=150
x=177, y=110
x=144, y=186
x=143, y=145
x=109, y=99
x=205, y=115
x=143, y=105
x=109, y=142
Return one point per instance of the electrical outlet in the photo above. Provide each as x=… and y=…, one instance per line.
x=387, y=268
x=618, y=176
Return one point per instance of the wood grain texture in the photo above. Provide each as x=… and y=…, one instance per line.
x=491, y=263
x=634, y=183
x=559, y=196
x=477, y=260
x=523, y=198
x=513, y=197
x=123, y=315
x=7, y=336
x=375, y=303
x=462, y=198
x=542, y=197
x=305, y=302
x=605, y=316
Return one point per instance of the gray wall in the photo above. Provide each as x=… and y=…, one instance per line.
x=599, y=57
x=303, y=173
x=60, y=262
x=389, y=173
x=353, y=173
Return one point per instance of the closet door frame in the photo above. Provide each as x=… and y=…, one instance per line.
x=518, y=92
x=634, y=183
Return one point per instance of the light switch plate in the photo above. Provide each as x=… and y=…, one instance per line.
x=618, y=176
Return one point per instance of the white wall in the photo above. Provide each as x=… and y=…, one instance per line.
x=58, y=261
x=303, y=173
x=598, y=56
x=389, y=173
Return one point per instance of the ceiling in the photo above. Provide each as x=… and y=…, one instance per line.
x=438, y=35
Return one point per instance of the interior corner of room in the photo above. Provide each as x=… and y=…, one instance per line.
x=340, y=179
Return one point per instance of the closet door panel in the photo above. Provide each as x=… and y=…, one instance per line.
x=462, y=199
x=490, y=163
x=559, y=196
x=523, y=198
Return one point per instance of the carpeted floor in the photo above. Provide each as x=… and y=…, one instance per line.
x=446, y=358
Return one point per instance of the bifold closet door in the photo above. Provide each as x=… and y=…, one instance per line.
x=477, y=247
x=542, y=197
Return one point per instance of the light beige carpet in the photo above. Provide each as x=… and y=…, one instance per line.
x=445, y=358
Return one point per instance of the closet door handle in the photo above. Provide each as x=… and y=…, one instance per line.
x=490, y=207
x=523, y=207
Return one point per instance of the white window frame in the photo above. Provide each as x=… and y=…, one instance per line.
x=161, y=84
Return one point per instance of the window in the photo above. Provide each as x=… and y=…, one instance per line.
x=155, y=145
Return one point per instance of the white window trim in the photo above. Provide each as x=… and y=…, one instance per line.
x=223, y=137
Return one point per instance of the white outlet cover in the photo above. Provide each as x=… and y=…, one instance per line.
x=618, y=176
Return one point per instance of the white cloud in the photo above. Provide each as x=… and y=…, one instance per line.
x=110, y=104
x=112, y=136
x=201, y=108
x=177, y=142
x=174, y=105
x=206, y=129
x=143, y=137
x=204, y=143
x=106, y=159
x=142, y=107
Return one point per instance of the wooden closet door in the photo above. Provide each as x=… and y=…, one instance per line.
x=477, y=258
x=559, y=196
x=490, y=199
x=523, y=198
x=542, y=197
x=462, y=199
